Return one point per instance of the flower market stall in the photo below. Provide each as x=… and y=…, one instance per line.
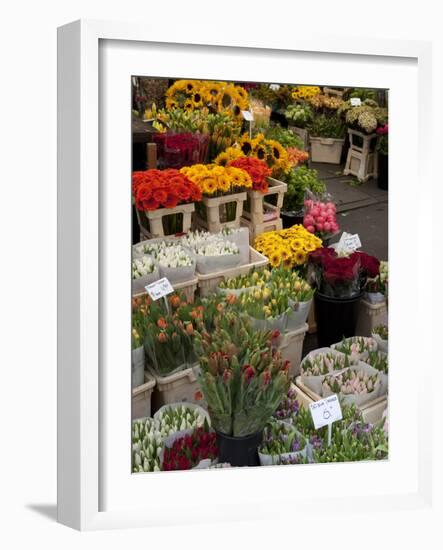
x=252, y=296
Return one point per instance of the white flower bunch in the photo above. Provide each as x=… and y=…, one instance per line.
x=147, y=445
x=148, y=247
x=174, y=256
x=383, y=271
x=173, y=420
x=195, y=238
x=217, y=247
x=142, y=266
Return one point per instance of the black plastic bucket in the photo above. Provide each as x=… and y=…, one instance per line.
x=291, y=218
x=335, y=317
x=239, y=451
x=382, y=178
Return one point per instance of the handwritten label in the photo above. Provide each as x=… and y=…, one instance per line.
x=159, y=289
x=274, y=87
x=247, y=115
x=355, y=101
x=349, y=242
x=326, y=411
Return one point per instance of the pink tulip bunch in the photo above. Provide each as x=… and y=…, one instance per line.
x=320, y=217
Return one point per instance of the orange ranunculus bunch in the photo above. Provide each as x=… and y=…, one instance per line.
x=154, y=189
x=296, y=156
x=257, y=169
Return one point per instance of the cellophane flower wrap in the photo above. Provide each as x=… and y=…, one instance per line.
x=188, y=451
x=342, y=276
x=242, y=378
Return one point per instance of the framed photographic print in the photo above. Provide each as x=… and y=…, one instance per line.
x=228, y=254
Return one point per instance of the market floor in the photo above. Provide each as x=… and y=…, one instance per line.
x=362, y=208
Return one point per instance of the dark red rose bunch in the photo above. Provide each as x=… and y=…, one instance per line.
x=257, y=169
x=342, y=276
x=186, y=452
x=154, y=189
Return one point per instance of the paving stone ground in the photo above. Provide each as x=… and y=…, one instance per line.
x=362, y=208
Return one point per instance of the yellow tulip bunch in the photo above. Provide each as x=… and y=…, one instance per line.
x=217, y=180
x=288, y=247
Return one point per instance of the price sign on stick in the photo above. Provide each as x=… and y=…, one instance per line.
x=355, y=101
x=325, y=412
x=249, y=117
x=159, y=289
x=349, y=242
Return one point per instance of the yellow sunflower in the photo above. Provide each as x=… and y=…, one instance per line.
x=188, y=106
x=246, y=145
x=300, y=257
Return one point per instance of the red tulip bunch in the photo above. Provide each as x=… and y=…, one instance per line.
x=186, y=452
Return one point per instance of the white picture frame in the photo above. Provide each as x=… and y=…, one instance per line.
x=84, y=400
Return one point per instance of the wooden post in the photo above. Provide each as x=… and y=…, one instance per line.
x=151, y=156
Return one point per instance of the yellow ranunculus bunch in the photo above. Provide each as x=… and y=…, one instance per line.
x=219, y=97
x=289, y=247
x=217, y=180
x=304, y=92
x=269, y=150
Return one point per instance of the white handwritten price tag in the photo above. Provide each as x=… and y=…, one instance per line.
x=355, y=101
x=159, y=289
x=349, y=242
x=274, y=87
x=247, y=115
x=326, y=411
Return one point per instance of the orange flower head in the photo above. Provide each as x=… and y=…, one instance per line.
x=162, y=337
x=161, y=323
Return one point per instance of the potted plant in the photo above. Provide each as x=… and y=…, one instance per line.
x=326, y=137
x=383, y=149
x=299, y=180
x=243, y=381
x=339, y=281
x=299, y=116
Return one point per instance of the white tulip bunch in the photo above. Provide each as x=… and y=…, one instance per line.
x=217, y=247
x=147, y=445
x=174, y=256
x=142, y=266
x=180, y=418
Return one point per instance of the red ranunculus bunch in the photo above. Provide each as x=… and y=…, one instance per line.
x=320, y=217
x=257, y=169
x=186, y=452
x=154, y=189
x=342, y=276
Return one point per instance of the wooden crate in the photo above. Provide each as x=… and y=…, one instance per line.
x=256, y=229
x=213, y=205
x=372, y=411
x=151, y=223
x=207, y=284
x=257, y=209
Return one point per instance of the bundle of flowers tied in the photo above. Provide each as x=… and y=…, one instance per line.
x=341, y=276
x=242, y=379
x=153, y=189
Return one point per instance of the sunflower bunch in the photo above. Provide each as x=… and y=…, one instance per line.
x=304, y=92
x=219, y=97
x=270, y=151
x=215, y=180
x=289, y=247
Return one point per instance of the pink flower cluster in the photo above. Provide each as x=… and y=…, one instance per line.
x=320, y=217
